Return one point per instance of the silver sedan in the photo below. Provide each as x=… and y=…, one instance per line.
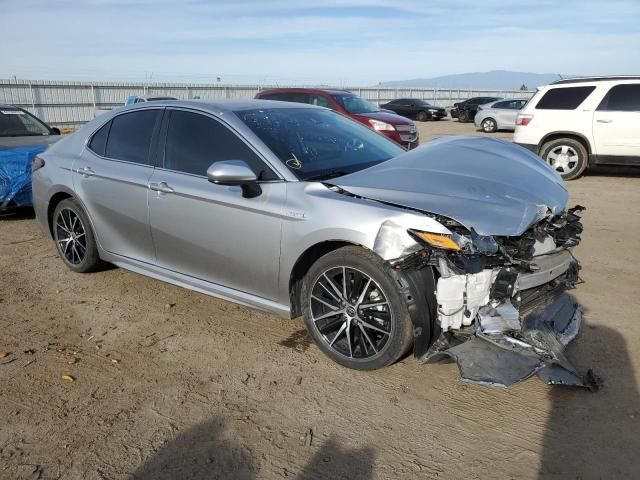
x=459, y=248
x=499, y=115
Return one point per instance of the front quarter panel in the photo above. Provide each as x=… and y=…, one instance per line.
x=317, y=214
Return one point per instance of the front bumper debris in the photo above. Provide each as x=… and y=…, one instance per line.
x=505, y=323
x=504, y=356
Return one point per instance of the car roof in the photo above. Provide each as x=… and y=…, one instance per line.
x=218, y=106
x=595, y=79
x=330, y=91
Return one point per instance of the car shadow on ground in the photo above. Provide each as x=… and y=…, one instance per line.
x=208, y=451
x=590, y=435
x=613, y=171
x=22, y=213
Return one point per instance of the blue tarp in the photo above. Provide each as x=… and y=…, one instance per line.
x=15, y=175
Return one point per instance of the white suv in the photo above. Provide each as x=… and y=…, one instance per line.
x=578, y=122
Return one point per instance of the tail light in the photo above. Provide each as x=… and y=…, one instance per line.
x=479, y=108
x=524, y=119
x=37, y=164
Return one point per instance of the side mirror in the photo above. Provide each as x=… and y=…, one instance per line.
x=55, y=131
x=235, y=172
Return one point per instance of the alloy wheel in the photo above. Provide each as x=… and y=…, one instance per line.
x=564, y=159
x=351, y=313
x=489, y=125
x=71, y=236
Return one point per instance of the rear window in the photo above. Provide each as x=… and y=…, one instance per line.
x=564, y=98
x=130, y=136
x=622, y=98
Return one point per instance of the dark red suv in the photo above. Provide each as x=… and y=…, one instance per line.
x=397, y=128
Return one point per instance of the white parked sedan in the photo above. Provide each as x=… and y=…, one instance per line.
x=499, y=115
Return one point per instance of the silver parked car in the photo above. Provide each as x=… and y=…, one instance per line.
x=499, y=115
x=460, y=248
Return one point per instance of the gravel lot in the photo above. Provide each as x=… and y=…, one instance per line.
x=174, y=384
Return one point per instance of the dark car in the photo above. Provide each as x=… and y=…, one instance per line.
x=22, y=137
x=397, y=128
x=466, y=111
x=415, y=108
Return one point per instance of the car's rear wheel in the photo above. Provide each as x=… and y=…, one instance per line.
x=74, y=238
x=354, y=311
x=422, y=116
x=463, y=116
x=566, y=156
x=489, y=125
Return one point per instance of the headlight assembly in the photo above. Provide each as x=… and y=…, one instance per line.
x=437, y=240
x=381, y=126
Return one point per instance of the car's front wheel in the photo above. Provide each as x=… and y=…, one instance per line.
x=354, y=311
x=74, y=237
x=489, y=125
x=463, y=116
x=422, y=116
x=566, y=156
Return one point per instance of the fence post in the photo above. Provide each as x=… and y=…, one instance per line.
x=33, y=98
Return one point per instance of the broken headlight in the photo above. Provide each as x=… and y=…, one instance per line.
x=437, y=240
x=472, y=243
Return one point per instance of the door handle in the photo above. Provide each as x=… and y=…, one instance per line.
x=86, y=171
x=161, y=187
x=604, y=121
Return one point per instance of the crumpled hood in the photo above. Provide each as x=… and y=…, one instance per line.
x=490, y=185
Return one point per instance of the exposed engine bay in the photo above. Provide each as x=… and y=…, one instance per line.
x=503, y=311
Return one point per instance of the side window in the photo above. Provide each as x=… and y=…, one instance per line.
x=320, y=101
x=501, y=105
x=196, y=141
x=98, y=142
x=622, y=98
x=130, y=136
x=564, y=98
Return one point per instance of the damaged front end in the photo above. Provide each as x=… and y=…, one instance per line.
x=503, y=311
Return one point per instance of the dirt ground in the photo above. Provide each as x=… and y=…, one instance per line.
x=174, y=384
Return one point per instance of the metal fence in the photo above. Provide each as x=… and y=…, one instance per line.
x=70, y=104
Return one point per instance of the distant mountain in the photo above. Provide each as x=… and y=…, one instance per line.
x=493, y=80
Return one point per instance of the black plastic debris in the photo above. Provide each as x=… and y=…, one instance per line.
x=502, y=358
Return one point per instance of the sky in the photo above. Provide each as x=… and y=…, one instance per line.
x=344, y=43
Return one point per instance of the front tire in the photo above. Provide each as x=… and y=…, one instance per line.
x=463, y=116
x=566, y=156
x=354, y=310
x=422, y=116
x=74, y=237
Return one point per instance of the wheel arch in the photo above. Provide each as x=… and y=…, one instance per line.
x=565, y=134
x=304, y=263
x=55, y=199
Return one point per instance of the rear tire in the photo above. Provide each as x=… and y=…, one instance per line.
x=370, y=328
x=463, y=116
x=74, y=237
x=567, y=156
x=489, y=125
x=422, y=116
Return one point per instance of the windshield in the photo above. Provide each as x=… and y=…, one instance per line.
x=318, y=144
x=18, y=123
x=355, y=104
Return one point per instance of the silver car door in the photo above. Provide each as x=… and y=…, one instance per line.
x=207, y=231
x=111, y=179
